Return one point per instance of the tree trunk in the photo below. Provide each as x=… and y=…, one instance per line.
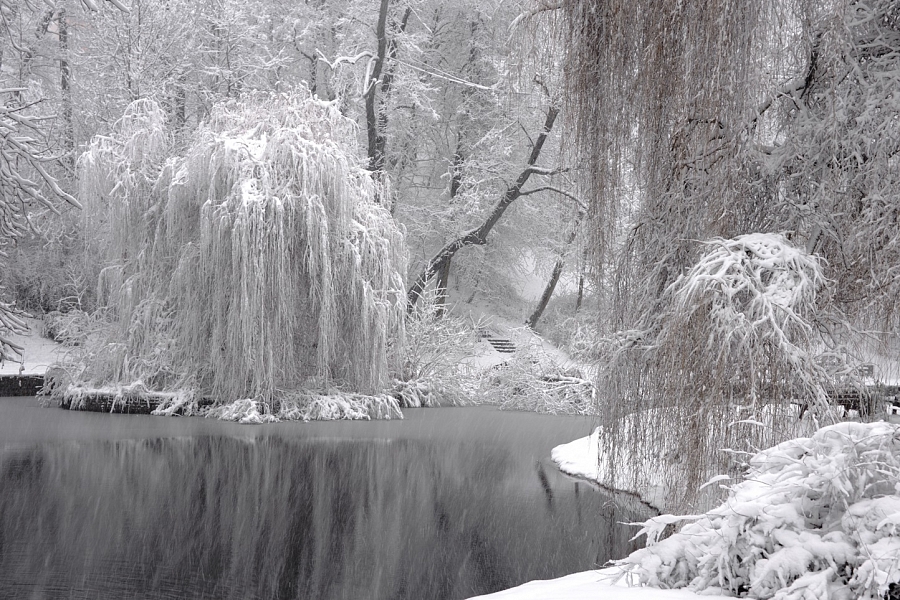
x=478, y=236
x=554, y=276
x=376, y=118
x=65, y=86
x=532, y=321
x=456, y=171
x=442, y=277
x=580, y=296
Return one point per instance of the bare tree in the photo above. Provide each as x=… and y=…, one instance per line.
x=25, y=182
x=26, y=178
x=478, y=235
x=381, y=80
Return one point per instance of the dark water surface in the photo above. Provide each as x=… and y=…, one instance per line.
x=448, y=503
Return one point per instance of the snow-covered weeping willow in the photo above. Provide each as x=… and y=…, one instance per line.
x=701, y=120
x=733, y=346
x=258, y=266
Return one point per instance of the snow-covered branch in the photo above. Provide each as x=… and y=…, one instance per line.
x=435, y=72
x=550, y=188
x=533, y=170
x=542, y=7
x=343, y=60
x=478, y=235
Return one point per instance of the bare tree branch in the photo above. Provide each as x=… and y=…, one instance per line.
x=550, y=188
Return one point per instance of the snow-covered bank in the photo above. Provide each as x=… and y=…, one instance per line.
x=584, y=458
x=581, y=458
x=814, y=517
x=38, y=352
x=590, y=585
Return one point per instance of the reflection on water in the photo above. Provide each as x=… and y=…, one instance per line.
x=275, y=517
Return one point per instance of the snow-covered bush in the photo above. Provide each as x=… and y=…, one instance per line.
x=815, y=517
x=70, y=328
x=432, y=370
x=532, y=380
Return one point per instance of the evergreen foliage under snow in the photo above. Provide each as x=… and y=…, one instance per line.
x=815, y=517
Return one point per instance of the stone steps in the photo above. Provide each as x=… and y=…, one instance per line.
x=501, y=345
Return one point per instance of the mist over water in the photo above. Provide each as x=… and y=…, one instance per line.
x=412, y=509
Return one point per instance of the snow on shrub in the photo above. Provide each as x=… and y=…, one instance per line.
x=432, y=359
x=732, y=343
x=533, y=380
x=816, y=517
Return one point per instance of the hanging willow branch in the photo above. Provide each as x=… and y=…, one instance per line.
x=704, y=120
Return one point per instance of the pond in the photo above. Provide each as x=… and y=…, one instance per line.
x=448, y=503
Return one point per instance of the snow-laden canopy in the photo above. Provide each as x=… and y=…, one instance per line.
x=256, y=265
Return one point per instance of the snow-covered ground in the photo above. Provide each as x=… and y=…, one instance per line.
x=485, y=315
x=591, y=585
x=39, y=352
x=581, y=458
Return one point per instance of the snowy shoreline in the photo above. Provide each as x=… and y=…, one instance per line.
x=578, y=460
x=607, y=584
x=581, y=459
x=813, y=517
